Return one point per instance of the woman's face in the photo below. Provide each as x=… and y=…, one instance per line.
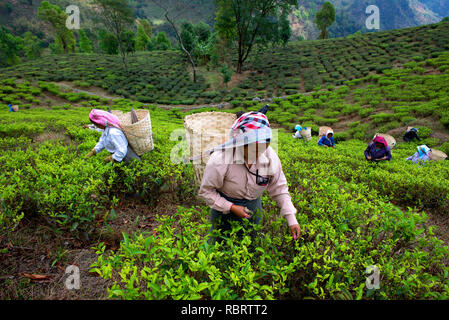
x=329, y=135
x=379, y=145
x=98, y=125
x=254, y=150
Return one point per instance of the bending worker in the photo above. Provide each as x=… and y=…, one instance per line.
x=421, y=156
x=327, y=140
x=410, y=135
x=378, y=150
x=239, y=171
x=113, y=139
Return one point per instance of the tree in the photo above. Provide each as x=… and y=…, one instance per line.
x=107, y=42
x=117, y=17
x=142, y=39
x=247, y=21
x=445, y=19
x=146, y=26
x=52, y=14
x=188, y=36
x=285, y=30
x=9, y=48
x=84, y=43
x=172, y=10
x=32, y=46
x=202, y=31
x=324, y=19
x=226, y=74
x=162, y=42
x=129, y=41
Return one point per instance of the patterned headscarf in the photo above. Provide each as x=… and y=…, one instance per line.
x=104, y=118
x=381, y=140
x=423, y=151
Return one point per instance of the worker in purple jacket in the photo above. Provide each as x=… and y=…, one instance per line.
x=378, y=150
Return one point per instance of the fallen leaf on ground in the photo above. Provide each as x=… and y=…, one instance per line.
x=35, y=276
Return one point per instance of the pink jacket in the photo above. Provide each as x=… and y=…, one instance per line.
x=235, y=181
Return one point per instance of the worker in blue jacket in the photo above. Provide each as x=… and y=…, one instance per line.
x=327, y=140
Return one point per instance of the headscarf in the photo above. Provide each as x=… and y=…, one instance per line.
x=379, y=139
x=423, y=151
x=251, y=127
x=104, y=118
x=298, y=128
x=414, y=129
x=329, y=131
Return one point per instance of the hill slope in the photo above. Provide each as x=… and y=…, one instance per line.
x=20, y=15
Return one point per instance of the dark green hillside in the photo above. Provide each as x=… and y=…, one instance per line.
x=162, y=77
x=308, y=65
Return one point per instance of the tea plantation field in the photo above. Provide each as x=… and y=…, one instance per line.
x=353, y=214
x=146, y=233
x=162, y=77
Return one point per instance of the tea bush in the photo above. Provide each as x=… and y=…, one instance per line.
x=348, y=223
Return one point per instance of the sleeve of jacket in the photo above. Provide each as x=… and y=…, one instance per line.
x=388, y=153
x=100, y=145
x=320, y=142
x=367, y=152
x=213, y=179
x=120, y=145
x=278, y=190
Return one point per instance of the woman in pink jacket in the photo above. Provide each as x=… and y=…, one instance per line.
x=239, y=171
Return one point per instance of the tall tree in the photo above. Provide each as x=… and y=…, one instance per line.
x=162, y=42
x=117, y=17
x=107, y=42
x=32, y=45
x=324, y=19
x=9, y=48
x=246, y=21
x=285, y=30
x=188, y=36
x=142, y=39
x=85, y=43
x=56, y=17
x=172, y=10
x=145, y=24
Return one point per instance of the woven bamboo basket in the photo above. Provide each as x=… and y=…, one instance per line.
x=139, y=134
x=390, y=140
x=307, y=133
x=437, y=155
x=323, y=131
x=205, y=131
x=15, y=108
x=117, y=113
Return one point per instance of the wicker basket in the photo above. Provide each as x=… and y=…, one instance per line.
x=323, y=131
x=205, y=131
x=117, y=113
x=139, y=135
x=390, y=140
x=437, y=155
x=15, y=108
x=307, y=133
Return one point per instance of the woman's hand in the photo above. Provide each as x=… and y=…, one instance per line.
x=296, y=231
x=240, y=212
x=369, y=158
x=109, y=159
x=91, y=154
